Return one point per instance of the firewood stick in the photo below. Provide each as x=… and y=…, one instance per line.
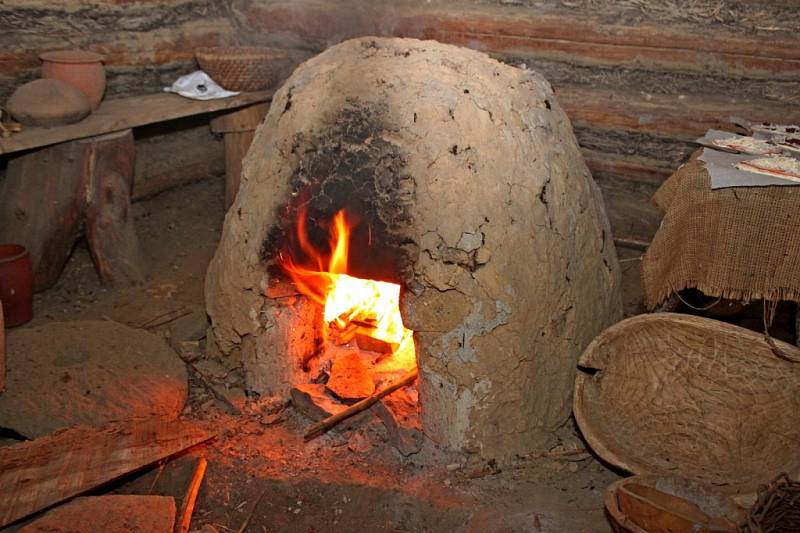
x=187, y=507
x=321, y=427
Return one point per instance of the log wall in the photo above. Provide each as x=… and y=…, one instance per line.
x=640, y=79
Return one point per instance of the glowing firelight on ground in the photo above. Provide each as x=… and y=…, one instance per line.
x=352, y=306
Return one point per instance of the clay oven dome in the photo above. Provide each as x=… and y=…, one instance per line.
x=471, y=192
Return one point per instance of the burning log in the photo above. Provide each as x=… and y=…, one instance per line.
x=366, y=403
x=371, y=344
x=350, y=379
x=342, y=336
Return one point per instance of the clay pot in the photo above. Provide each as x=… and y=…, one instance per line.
x=84, y=70
x=16, y=284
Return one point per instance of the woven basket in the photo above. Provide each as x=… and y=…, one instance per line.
x=244, y=68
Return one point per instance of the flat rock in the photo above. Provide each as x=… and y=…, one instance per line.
x=399, y=412
x=350, y=379
x=109, y=514
x=88, y=372
x=312, y=400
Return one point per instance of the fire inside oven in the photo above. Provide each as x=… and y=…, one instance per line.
x=365, y=343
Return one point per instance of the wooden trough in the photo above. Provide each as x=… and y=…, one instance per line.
x=671, y=394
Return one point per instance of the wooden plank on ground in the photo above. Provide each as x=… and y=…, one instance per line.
x=108, y=514
x=125, y=113
x=37, y=474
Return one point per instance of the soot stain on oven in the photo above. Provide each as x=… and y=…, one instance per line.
x=352, y=167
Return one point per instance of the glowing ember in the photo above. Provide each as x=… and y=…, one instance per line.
x=354, y=308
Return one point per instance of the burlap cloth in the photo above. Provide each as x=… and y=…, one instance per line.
x=740, y=243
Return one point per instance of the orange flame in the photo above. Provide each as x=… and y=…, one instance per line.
x=367, y=307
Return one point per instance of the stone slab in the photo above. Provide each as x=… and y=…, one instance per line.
x=88, y=372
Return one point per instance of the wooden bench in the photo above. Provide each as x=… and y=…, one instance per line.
x=77, y=178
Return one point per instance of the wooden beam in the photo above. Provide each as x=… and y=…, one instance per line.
x=632, y=168
x=37, y=474
x=124, y=113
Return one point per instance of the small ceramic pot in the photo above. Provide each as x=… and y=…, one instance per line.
x=84, y=70
x=16, y=284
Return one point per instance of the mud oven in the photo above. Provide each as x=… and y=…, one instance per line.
x=455, y=179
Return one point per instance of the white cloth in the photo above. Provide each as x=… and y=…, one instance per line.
x=198, y=86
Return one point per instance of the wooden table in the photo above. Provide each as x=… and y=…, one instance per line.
x=77, y=178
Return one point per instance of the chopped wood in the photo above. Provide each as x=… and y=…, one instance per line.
x=330, y=422
x=187, y=506
x=635, y=244
x=179, y=478
x=349, y=378
x=366, y=342
x=37, y=474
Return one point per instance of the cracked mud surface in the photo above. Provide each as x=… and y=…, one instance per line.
x=472, y=187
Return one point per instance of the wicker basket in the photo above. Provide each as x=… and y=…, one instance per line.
x=244, y=68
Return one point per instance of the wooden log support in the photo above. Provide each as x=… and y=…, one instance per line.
x=238, y=128
x=42, y=205
x=49, y=193
x=109, y=220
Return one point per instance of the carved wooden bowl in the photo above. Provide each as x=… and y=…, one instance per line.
x=661, y=504
x=692, y=397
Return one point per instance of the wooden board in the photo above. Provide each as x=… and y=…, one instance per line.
x=109, y=514
x=37, y=474
x=125, y=113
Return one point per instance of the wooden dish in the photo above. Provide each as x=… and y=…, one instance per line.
x=693, y=397
x=666, y=504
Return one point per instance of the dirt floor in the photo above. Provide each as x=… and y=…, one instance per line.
x=350, y=480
